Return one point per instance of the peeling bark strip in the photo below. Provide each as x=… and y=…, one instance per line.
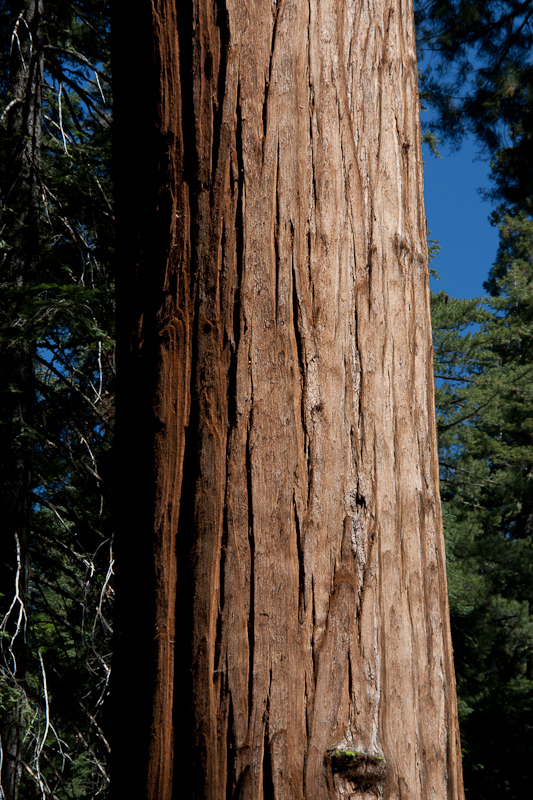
x=275, y=410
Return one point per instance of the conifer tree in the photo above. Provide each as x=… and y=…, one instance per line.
x=485, y=403
x=55, y=405
x=477, y=76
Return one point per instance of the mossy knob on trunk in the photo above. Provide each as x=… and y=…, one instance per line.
x=363, y=769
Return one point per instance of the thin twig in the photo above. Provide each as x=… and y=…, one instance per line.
x=21, y=619
x=46, y=728
x=60, y=91
x=9, y=106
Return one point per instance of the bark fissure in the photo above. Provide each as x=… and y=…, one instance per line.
x=296, y=316
x=251, y=541
x=268, y=783
x=221, y=55
x=239, y=225
x=301, y=565
x=276, y=235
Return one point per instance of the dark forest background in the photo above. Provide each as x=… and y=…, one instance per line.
x=57, y=388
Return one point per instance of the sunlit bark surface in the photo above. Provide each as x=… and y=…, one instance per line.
x=276, y=412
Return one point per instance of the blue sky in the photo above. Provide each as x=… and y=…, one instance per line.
x=457, y=216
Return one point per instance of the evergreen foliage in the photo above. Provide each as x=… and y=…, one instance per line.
x=484, y=369
x=477, y=77
x=56, y=311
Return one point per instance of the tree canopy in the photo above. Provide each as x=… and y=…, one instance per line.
x=477, y=78
x=477, y=75
x=485, y=416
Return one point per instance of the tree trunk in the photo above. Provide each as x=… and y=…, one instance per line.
x=20, y=195
x=275, y=410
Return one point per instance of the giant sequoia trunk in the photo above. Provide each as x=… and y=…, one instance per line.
x=282, y=622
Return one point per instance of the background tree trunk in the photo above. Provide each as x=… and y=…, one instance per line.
x=275, y=410
x=20, y=195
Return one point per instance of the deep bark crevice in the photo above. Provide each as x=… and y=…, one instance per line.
x=251, y=544
x=276, y=216
x=190, y=166
x=239, y=225
x=231, y=752
x=185, y=767
x=269, y=792
x=300, y=548
x=222, y=51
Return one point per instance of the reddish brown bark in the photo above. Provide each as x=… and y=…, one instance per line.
x=275, y=412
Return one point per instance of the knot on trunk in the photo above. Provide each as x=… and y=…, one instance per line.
x=364, y=771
